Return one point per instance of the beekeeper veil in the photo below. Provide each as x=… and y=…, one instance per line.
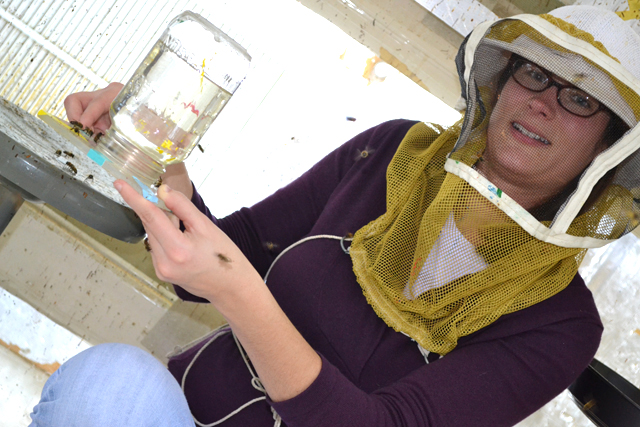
x=495, y=213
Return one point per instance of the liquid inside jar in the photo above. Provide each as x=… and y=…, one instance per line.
x=165, y=130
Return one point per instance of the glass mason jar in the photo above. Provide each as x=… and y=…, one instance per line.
x=175, y=94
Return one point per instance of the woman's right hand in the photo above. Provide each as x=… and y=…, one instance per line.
x=92, y=108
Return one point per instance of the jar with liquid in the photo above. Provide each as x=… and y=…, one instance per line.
x=175, y=94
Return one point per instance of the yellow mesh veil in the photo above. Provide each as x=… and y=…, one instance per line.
x=454, y=252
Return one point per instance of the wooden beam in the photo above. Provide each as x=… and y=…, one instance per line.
x=405, y=35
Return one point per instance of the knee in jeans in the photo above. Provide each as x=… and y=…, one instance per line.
x=123, y=356
x=121, y=351
x=112, y=385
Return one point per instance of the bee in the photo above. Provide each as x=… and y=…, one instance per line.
x=58, y=152
x=363, y=154
x=200, y=147
x=97, y=137
x=73, y=169
x=351, y=119
x=68, y=154
x=158, y=183
x=224, y=258
x=590, y=404
x=147, y=246
x=76, y=126
x=79, y=129
x=270, y=246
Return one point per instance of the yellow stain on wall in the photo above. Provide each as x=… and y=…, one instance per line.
x=49, y=368
x=388, y=57
x=368, y=73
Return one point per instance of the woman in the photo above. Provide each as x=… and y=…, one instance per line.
x=458, y=301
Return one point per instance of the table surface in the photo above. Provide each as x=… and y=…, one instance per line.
x=50, y=168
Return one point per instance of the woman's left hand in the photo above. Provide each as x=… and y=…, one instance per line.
x=205, y=262
x=202, y=259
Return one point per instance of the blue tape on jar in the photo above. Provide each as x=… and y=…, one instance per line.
x=146, y=192
x=96, y=157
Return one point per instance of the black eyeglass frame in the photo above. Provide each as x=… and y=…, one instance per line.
x=519, y=62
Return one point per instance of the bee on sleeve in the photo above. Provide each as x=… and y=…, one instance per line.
x=363, y=154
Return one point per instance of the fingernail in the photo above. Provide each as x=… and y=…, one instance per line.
x=118, y=185
x=167, y=188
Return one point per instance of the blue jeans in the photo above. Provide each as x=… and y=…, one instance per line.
x=112, y=385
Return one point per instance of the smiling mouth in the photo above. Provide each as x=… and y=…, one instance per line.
x=522, y=130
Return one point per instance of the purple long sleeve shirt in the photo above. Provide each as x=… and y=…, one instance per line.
x=371, y=375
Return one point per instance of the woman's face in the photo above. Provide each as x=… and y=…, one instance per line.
x=532, y=140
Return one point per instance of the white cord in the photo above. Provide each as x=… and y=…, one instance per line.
x=181, y=349
x=425, y=353
x=215, y=336
x=221, y=420
x=255, y=380
x=257, y=386
x=306, y=239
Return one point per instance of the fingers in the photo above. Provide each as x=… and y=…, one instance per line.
x=174, y=219
x=159, y=227
x=182, y=207
x=177, y=177
x=158, y=257
x=172, y=251
x=95, y=110
x=92, y=108
x=75, y=105
x=103, y=123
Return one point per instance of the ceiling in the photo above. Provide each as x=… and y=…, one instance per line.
x=421, y=37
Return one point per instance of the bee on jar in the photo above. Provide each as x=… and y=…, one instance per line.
x=76, y=126
x=147, y=246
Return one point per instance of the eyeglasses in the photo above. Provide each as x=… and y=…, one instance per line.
x=572, y=99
